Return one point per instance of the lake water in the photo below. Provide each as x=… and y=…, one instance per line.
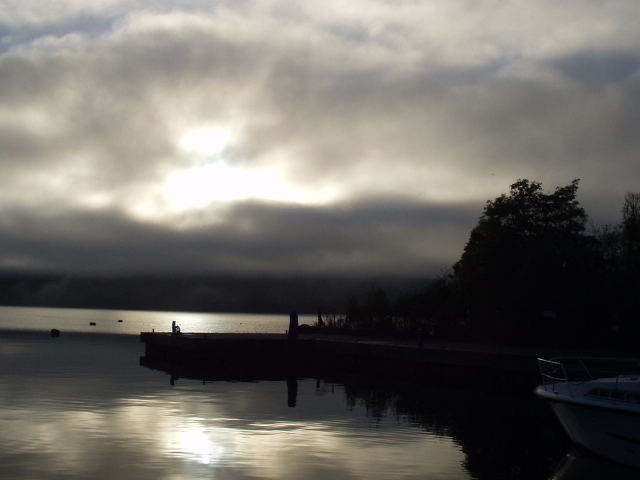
x=134, y=322
x=81, y=406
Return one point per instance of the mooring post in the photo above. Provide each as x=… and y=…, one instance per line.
x=292, y=392
x=292, y=334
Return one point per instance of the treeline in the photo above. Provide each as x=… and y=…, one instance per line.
x=532, y=272
x=195, y=294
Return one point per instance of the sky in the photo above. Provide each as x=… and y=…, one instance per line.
x=317, y=138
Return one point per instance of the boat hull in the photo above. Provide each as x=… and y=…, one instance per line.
x=611, y=433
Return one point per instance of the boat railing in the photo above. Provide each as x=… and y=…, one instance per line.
x=568, y=371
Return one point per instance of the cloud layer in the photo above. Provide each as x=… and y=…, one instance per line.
x=279, y=137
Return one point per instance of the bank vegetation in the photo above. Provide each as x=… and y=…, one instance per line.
x=534, y=271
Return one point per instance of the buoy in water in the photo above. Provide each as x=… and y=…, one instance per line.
x=119, y=321
x=92, y=323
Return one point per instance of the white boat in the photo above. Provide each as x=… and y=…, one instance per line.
x=597, y=402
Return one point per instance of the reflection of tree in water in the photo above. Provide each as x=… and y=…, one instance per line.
x=508, y=438
x=380, y=403
x=376, y=402
x=504, y=436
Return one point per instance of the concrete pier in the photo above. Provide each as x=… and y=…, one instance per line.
x=269, y=356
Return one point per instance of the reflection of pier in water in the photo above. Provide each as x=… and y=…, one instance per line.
x=227, y=372
x=498, y=433
x=275, y=357
x=481, y=398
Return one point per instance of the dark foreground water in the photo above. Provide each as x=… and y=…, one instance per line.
x=80, y=406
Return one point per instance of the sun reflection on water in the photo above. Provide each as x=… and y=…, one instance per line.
x=77, y=419
x=195, y=443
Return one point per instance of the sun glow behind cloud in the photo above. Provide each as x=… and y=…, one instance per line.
x=205, y=141
x=212, y=177
x=199, y=186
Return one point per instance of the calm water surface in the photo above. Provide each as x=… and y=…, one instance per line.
x=134, y=322
x=80, y=406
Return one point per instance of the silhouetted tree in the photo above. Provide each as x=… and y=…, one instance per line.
x=353, y=318
x=629, y=271
x=620, y=251
x=527, y=255
x=428, y=311
x=379, y=311
x=631, y=226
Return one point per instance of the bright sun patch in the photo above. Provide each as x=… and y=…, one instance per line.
x=213, y=179
x=205, y=141
x=217, y=181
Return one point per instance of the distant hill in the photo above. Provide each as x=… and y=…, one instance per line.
x=200, y=294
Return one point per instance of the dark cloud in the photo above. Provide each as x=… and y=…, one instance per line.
x=373, y=238
x=382, y=129
x=597, y=67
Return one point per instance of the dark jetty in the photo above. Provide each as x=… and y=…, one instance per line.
x=270, y=356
